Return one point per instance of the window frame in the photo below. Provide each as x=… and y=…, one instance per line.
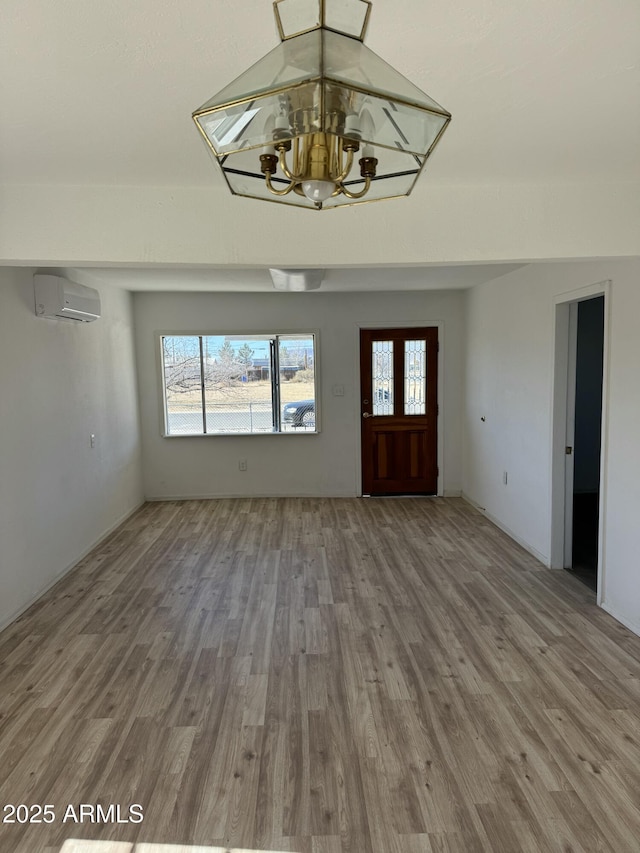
x=273, y=337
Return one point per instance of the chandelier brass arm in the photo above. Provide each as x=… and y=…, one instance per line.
x=272, y=189
x=282, y=160
x=347, y=166
x=360, y=194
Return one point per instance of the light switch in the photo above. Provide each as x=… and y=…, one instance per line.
x=338, y=390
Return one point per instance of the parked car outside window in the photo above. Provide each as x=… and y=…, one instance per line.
x=300, y=414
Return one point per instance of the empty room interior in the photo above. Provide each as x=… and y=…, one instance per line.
x=319, y=528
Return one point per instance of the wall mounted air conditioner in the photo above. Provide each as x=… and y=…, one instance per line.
x=60, y=299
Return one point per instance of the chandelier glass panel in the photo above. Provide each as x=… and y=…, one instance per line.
x=321, y=121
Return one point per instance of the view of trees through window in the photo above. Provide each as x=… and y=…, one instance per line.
x=238, y=383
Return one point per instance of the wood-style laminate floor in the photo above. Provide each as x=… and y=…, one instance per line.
x=321, y=676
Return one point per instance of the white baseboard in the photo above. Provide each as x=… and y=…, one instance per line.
x=543, y=558
x=5, y=622
x=218, y=496
x=225, y=496
x=619, y=617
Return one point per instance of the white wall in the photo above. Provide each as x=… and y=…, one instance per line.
x=324, y=464
x=60, y=382
x=509, y=377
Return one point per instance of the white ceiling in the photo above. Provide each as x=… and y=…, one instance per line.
x=101, y=93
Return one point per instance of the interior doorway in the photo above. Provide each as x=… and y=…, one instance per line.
x=578, y=436
x=584, y=495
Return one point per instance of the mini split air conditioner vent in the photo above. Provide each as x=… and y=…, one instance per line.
x=59, y=299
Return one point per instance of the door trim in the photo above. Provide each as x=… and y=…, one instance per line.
x=399, y=324
x=570, y=434
x=560, y=374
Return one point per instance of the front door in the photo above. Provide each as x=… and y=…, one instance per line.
x=399, y=408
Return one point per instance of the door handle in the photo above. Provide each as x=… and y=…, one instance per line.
x=366, y=415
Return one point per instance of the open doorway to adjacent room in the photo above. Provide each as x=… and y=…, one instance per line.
x=585, y=492
x=578, y=437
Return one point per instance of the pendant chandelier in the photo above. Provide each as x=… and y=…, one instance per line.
x=321, y=121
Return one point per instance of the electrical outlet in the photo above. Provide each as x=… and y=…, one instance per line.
x=242, y=464
x=92, y=440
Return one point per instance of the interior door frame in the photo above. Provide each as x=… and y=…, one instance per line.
x=399, y=324
x=564, y=376
x=570, y=433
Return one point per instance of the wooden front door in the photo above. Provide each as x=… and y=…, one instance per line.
x=399, y=408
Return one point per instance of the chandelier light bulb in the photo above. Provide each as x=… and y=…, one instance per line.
x=269, y=127
x=318, y=191
x=367, y=127
x=352, y=126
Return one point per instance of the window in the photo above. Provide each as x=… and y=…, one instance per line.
x=239, y=384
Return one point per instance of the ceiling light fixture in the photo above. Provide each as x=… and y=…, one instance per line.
x=297, y=280
x=321, y=121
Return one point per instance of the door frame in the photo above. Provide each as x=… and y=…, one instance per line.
x=564, y=369
x=570, y=433
x=399, y=324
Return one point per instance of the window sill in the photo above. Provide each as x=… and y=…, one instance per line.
x=240, y=434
